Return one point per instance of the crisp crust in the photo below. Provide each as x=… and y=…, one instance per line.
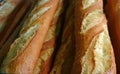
x=24, y=52
x=13, y=19
x=46, y=55
x=13, y=27
x=94, y=52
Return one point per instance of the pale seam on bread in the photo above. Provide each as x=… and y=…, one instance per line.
x=102, y=42
x=46, y=54
x=30, y=31
x=88, y=58
x=96, y=57
x=103, y=54
x=99, y=53
x=43, y=58
x=5, y=7
x=36, y=13
x=87, y=3
x=32, y=17
x=51, y=33
x=43, y=2
x=88, y=23
x=58, y=12
x=23, y=42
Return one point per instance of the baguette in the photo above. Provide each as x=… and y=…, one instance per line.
x=113, y=12
x=65, y=54
x=25, y=50
x=13, y=20
x=94, y=52
x=6, y=8
x=46, y=55
x=5, y=48
x=11, y=31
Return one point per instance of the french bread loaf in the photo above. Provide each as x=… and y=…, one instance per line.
x=25, y=50
x=94, y=52
x=45, y=60
x=13, y=19
x=12, y=29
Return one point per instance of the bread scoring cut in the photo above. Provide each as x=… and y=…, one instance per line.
x=92, y=19
x=88, y=3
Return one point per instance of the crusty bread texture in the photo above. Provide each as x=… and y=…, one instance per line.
x=94, y=52
x=12, y=19
x=45, y=60
x=25, y=50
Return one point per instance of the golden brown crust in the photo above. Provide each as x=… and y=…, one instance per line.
x=10, y=32
x=24, y=63
x=92, y=40
x=5, y=48
x=13, y=22
x=46, y=56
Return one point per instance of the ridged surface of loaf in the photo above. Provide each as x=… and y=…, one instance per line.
x=13, y=20
x=25, y=50
x=46, y=56
x=94, y=52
